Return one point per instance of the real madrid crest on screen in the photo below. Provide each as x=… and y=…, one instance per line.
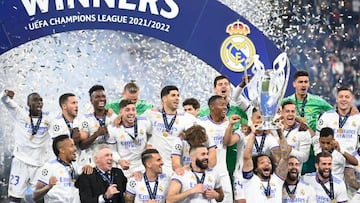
x=237, y=50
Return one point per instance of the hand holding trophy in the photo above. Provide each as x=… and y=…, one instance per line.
x=267, y=88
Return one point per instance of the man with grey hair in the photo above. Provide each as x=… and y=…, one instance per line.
x=106, y=184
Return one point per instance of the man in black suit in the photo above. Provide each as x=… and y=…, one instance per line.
x=105, y=184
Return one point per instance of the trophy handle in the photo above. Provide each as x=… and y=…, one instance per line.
x=279, y=65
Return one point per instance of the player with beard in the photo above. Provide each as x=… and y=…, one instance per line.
x=31, y=139
x=339, y=157
x=298, y=136
x=91, y=128
x=295, y=189
x=199, y=183
x=328, y=188
x=167, y=123
x=56, y=178
x=155, y=182
x=258, y=170
x=131, y=138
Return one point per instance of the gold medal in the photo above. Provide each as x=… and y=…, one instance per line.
x=165, y=134
x=136, y=142
x=340, y=130
x=31, y=137
x=292, y=196
x=333, y=201
x=303, y=119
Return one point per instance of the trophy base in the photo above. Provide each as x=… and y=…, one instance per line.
x=268, y=124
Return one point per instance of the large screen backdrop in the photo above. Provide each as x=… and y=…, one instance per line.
x=54, y=47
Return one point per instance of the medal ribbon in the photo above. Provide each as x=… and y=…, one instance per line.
x=68, y=123
x=201, y=181
x=302, y=109
x=135, y=131
x=260, y=148
x=342, y=120
x=331, y=192
x=35, y=128
x=290, y=192
x=152, y=194
x=168, y=126
x=69, y=167
x=102, y=121
x=105, y=177
x=267, y=190
x=292, y=128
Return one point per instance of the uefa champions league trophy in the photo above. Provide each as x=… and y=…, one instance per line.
x=267, y=87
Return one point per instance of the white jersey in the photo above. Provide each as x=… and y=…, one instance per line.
x=188, y=181
x=338, y=164
x=347, y=136
x=216, y=132
x=89, y=124
x=300, y=141
x=128, y=147
x=139, y=189
x=270, y=142
x=304, y=193
x=59, y=126
x=162, y=140
x=28, y=148
x=254, y=188
x=340, y=192
x=181, y=148
x=64, y=189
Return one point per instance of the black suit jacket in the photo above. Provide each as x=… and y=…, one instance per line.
x=93, y=185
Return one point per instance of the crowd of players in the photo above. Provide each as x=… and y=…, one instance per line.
x=130, y=151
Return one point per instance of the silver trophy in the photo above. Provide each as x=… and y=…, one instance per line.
x=267, y=87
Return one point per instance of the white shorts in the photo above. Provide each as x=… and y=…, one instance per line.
x=21, y=176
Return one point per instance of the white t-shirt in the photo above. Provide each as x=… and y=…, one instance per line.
x=340, y=192
x=28, y=148
x=164, y=142
x=58, y=126
x=139, y=189
x=64, y=189
x=188, y=181
x=127, y=148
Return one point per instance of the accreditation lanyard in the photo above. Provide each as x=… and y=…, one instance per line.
x=168, y=126
x=68, y=123
x=152, y=193
x=302, y=109
x=262, y=142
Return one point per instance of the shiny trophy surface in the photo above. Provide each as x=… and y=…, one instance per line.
x=267, y=87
